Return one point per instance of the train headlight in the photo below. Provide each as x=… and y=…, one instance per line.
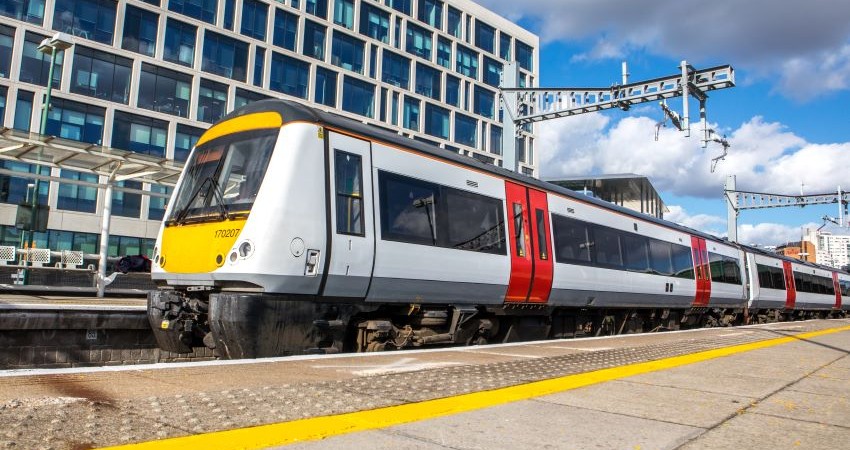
x=245, y=249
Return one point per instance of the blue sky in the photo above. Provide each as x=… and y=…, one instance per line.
x=787, y=120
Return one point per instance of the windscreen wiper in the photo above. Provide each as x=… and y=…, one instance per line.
x=216, y=192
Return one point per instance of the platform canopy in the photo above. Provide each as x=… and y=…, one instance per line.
x=51, y=151
x=629, y=190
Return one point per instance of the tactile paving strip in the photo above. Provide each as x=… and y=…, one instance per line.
x=73, y=423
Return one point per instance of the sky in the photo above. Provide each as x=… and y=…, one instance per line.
x=787, y=120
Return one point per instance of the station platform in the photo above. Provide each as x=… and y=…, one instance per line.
x=783, y=385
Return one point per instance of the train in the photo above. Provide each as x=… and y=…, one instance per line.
x=293, y=230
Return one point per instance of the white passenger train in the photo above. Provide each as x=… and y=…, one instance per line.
x=293, y=230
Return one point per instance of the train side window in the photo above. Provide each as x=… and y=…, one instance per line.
x=778, y=276
x=765, y=276
x=715, y=264
x=659, y=257
x=542, y=245
x=409, y=209
x=571, y=240
x=519, y=238
x=606, y=247
x=475, y=222
x=349, y=193
x=683, y=262
x=731, y=270
x=636, y=252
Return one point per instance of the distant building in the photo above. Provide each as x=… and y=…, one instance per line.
x=802, y=250
x=832, y=249
x=628, y=190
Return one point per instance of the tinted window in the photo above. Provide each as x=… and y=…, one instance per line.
x=571, y=240
x=349, y=193
x=606, y=247
x=659, y=257
x=683, y=264
x=636, y=252
x=419, y=212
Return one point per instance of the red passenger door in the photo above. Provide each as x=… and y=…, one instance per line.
x=701, y=273
x=528, y=244
x=837, y=288
x=790, y=290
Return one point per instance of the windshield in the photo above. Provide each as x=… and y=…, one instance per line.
x=223, y=176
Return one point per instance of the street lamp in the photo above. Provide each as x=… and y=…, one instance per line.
x=49, y=46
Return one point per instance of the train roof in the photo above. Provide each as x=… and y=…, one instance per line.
x=292, y=111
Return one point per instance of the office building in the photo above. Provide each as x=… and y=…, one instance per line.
x=150, y=75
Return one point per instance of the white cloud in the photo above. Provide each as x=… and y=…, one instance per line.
x=759, y=234
x=802, y=44
x=764, y=156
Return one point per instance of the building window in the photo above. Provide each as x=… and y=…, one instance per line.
x=156, y=205
x=314, y=40
x=212, y=101
x=164, y=90
x=436, y=121
x=427, y=81
x=467, y=62
x=88, y=19
x=374, y=23
x=466, y=130
x=140, y=31
x=285, y=29
x=347, y=52
x=402, y=6
x=325, y=87
x=495, y=140
x=318, y=8
x=410, y=119
x=452, y=91
x=418, y=41
x=35, y=66
x=254, y=18
x=358, y=97
x=101, y=75
x=76, y=121
x=454, y=23
x=3, y=92
x=444, y=53
x=184, y=140
x=243, y=97
x=16, y=190
x=31, y=11
x=431, y=12
x=492, y=72
x=484, y=102
x=139, y=134
x=179, y=42
x=127, y=245
x=395, y=70
x=7, y=41
x=127, y=204
x=485, y=36
x=372, y=50
x=259, y=63
x=344, y=13
x=225, y=56
x=197, y=9
x=229, y=13
x=505, y=46
x=75, y=197
x=289, y=75
x=524, y=56
x=23, y=111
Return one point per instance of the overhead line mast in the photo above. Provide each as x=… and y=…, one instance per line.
x=524, y=106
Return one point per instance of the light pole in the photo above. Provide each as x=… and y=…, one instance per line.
x=49, y=46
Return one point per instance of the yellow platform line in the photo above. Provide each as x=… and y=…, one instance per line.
x=323, y=427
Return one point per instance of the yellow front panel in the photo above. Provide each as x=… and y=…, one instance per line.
x=198, y=248
x=248, y=122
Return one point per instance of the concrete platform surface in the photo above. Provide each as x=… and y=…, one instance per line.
x=769, y=386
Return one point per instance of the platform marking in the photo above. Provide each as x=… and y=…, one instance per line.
x=400, y=366
x=317, y=428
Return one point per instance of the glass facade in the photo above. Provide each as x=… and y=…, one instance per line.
x=101, y=75
x=429, y=67
x=140, y=31
x=179, y=44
